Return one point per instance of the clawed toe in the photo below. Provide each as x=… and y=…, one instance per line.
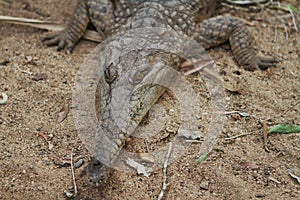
x=51, y=40
x=260, y=63
x=60, y=40
x=266, y=62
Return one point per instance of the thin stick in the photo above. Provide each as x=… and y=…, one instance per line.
x=265, y=134
x=88, y=35
x=275, y=37
x=290, y=108
x=284, y=112
x=274, y=180
x=147, y=147
x=237, y=136
x=165, y=185
x=73, y=175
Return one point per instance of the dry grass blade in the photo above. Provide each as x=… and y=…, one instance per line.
x=165, y=184
x=52, y=26
x=32, y=22
x=247, y=2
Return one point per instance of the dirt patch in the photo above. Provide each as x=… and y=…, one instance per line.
x=30, y=168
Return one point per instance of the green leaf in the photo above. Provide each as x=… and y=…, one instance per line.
x=293, y=8
x=285, y=128
x=202, y=158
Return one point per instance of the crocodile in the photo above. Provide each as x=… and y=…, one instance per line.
x=193, y=18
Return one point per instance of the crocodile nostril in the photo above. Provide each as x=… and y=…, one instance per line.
x=153, y=24
x=110, y=74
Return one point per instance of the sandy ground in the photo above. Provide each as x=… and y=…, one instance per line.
x=30, y=168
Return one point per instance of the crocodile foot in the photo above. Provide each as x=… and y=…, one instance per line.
x=61, y=40
x=260, y=63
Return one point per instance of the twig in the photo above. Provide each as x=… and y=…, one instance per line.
x=286, y=31
x=265, y=134
x=243, y=114
x=24, y=71
x=290, y=108
x=274, y=180
x=275, y=36
x=264, y=11
x=237, y=136
x=284, y=112
x=295, y=177
x=293, y=18
x=193, y=141
x=199, y=67
x=278, y=6
x=89, y=34
x=73, y=176
x=165, y=184
x=147, y=146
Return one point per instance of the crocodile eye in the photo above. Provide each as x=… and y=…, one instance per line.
x=110, y=74
x=138, y=77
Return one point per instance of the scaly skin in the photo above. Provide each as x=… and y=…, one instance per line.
x=183, y=16
x=110, y=17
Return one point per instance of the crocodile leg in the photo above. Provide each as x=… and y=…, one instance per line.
x=215, y=31
x=75, y=29
x=99, y=12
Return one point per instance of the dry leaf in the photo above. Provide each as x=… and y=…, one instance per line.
x=62, y=115
x=141, y=169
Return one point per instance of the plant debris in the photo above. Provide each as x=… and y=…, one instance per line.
x=285, y=128
x=247, y=2
x=202, y=158
x=295, y=177
x=89, y=35
x=141, y=169
x=62, y=115
x=165, y=184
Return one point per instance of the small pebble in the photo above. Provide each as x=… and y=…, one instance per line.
x=204, y=185
x=68, y=194
x=79, y=163
x=50, y=146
